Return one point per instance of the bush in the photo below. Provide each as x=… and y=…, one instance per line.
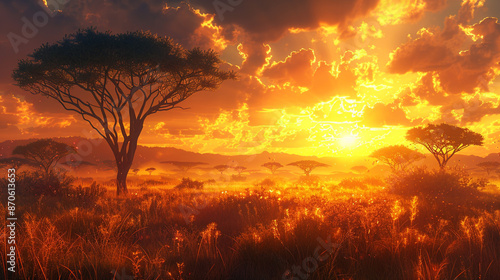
x=37, y=183
x=447, y=195
x=87, y=195
x=266, y=183
x=187, y=183
x=436, y=185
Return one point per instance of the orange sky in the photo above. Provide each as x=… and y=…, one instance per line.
x=326, y=78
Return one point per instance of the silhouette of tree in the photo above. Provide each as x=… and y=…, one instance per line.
x=184, y=166
x=16, y=162
x=489, y=166
x=272, y=166
x=44, y=153
x=116, y=81
x=239, y=169
x=397, y=157
x=221, y=168
x=308, y=165
x=150, y=170
x=444, y=140
x=135, y=171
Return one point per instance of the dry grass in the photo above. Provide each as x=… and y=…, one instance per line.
x=254, y=231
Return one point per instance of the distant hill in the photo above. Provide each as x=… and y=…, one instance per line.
x=96, y=151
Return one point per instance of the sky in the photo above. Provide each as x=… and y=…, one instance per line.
x=315, y=77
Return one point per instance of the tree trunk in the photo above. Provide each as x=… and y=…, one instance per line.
x=125, y=157
x=121, y=180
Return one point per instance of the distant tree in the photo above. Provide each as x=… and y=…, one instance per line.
x=359, y=169
x=272, y=166
x=397, y=157
x=115, y=82
x=444, y=140
x=44, y=153
x=150, y=170
x=16, y=162
x=221, y=168
x=184, y=166
x=308, y=165
x=489, y=166
x=135, y=171
x=239, y=169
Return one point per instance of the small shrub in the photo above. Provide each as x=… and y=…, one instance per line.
x=266, y=183
x=210, y=182
x=37, y=183
x=87, y=195
x=436, y=184
x=187, y=183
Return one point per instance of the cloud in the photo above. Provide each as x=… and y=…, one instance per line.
x=296, y=69
x=382, y=115
x=267, y=21
x=439, y=52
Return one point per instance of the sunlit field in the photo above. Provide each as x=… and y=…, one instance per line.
x=368, y=227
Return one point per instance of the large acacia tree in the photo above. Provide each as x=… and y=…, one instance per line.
x=444, y=140
x=116, y=81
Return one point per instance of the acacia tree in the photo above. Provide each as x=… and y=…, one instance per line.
x=272, y=166
x=397, y=157
x=444, y=140
x=221, y=168
x=114, y=82
x=150, y=170
x=239, y=169
x=308, y=165
x=16, y=162
x=44, y=153
x=489, y=166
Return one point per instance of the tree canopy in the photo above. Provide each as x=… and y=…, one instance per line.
x=308, y=165
x=489, y=166
x=150, y=170
x=44, y=153
x=114, y=82
x=272, y=166
x=444, y=140
x=221, y=168
x=397, y=157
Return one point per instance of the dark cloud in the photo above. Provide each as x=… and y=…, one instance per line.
x=267, y=21
x=295, y=69
x=439, y=52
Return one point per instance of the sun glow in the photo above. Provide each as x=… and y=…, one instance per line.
x=348, y=140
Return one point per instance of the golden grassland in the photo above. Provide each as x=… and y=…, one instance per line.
x=259, y=230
